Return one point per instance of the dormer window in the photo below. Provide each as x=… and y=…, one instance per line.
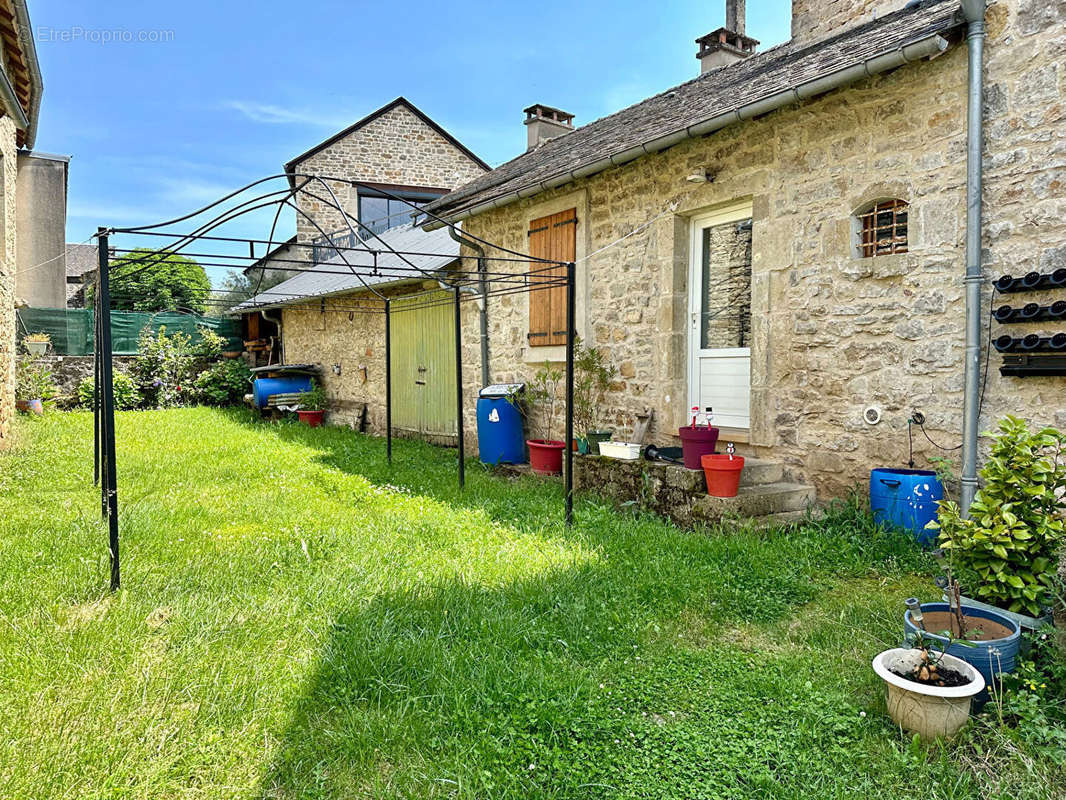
x=881, y=228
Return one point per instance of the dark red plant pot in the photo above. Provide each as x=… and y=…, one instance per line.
x=546, y=457
x=697, y=442
x=312, y=418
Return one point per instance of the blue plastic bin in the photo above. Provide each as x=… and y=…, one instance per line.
x=906, y=498
x=262, y=388
x=499, y=430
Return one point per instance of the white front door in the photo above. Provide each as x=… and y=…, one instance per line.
x=719, y=373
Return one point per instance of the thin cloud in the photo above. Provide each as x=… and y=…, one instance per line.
x=271, y=114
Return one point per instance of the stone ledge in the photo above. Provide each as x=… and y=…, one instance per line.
x=680, y=494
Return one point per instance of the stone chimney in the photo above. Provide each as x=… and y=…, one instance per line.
x=729, y=44
x=544, y=123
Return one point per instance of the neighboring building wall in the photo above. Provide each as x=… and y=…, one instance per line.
x=8, y=172
x=41, y=219
x=395, y=148
x=816, y=19
x=330, y=338
x=831, y=333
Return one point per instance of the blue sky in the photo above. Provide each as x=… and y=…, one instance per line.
x=158, y=128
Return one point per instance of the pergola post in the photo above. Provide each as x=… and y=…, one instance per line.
x=568, y=450
x=459, y=389
x=388, y=379
x=96, y=393
x=109, y=482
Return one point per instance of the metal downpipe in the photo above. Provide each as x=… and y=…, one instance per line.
x=974, y=11
x=483, y=301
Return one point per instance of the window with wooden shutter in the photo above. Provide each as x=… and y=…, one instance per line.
x=553, y=238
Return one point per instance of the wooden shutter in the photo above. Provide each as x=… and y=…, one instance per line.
x=554, y=238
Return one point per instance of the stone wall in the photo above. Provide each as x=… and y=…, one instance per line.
x=831, y=333
x=69, y=371
x=8, y=172
x=815, y=19
x=396, y=148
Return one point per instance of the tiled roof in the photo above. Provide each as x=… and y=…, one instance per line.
x=81, y=258
x=712, y=95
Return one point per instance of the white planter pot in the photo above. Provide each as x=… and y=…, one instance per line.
x=929, y=711
x=37, y=348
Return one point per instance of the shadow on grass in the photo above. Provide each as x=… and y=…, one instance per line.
x=459, y=686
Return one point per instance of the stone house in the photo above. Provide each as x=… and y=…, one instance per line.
x=396, y=151
x=782, y=237
x=20, y=99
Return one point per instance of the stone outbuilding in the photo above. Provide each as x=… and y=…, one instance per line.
x=401, y=160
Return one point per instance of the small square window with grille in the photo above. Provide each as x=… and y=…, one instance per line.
x=883, y=228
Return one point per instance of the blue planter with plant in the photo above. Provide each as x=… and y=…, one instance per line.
x=988, y=651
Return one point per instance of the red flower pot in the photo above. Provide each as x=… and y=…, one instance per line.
x=697, y=442
x=546, y=457
x=723, y=474
x=312, y=418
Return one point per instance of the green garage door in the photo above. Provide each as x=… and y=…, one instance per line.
x=423, y=367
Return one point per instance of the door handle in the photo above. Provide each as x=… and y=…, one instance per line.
x=420, y=383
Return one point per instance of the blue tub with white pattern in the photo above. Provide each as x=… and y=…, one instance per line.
x=907, y=499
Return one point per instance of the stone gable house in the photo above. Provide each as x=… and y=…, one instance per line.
x=783, y=238
x=397, y=151
x=20, y=100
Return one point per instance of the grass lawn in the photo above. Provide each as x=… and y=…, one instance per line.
x=298, y=620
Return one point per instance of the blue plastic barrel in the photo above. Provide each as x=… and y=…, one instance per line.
x=988, y=658
x=906, y=498
x=499, y=432
x=262, y=388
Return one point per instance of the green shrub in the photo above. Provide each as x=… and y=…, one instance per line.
x=163, y=367
x=33, y=381
x=223, y=383
x=127, y=395
x=315, y=399
x=1005, y=553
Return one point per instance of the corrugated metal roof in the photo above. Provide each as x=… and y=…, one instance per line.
x=423, y=252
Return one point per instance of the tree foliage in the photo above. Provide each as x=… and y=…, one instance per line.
x=146, y=280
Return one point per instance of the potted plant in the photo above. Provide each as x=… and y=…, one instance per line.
x=545, y=453
x=312, y=405
x=983, y=638
x=698, y=439
x=593, y=376
x=1004, y=552
x=37, y=343
x=929, y=691
x=33, y=386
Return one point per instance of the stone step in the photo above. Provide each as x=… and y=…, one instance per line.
x=755, y=501
x=761, y=471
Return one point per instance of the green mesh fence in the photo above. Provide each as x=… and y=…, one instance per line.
x=71, y=329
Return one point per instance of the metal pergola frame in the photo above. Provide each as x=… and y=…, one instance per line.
x=462, y=285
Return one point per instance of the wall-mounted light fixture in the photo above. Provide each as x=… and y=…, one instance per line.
x=703, y=176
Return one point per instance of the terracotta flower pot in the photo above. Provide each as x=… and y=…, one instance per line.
x=930, y=711
x=546, y=457
x=312, y=418
x=723, y=474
